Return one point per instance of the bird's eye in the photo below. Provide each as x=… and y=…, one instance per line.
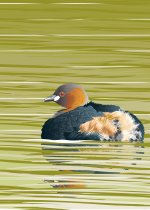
x=61, y=94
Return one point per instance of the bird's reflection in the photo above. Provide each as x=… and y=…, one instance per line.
x=72, y=160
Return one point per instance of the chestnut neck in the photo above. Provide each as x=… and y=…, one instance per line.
x=75, y=98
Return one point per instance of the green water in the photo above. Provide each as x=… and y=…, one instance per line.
x=104, y=47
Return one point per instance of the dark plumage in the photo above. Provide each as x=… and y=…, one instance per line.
x=67, y=124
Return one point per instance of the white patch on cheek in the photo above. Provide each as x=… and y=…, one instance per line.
x=56, y=98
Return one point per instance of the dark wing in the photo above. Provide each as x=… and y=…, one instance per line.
x=50, y=130
x=104, y=108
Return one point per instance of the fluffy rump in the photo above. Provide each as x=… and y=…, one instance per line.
x=118, y=125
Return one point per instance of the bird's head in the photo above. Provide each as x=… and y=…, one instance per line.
x=69, y=96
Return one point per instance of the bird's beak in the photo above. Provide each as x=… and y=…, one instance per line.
x=50, y=98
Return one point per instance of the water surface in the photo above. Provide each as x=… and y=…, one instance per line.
x=103, y=46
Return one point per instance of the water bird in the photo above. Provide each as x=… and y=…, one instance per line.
x=84, y=120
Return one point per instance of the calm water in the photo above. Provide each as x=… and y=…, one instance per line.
x=103, y=45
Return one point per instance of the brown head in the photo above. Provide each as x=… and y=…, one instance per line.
x=69, y=96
